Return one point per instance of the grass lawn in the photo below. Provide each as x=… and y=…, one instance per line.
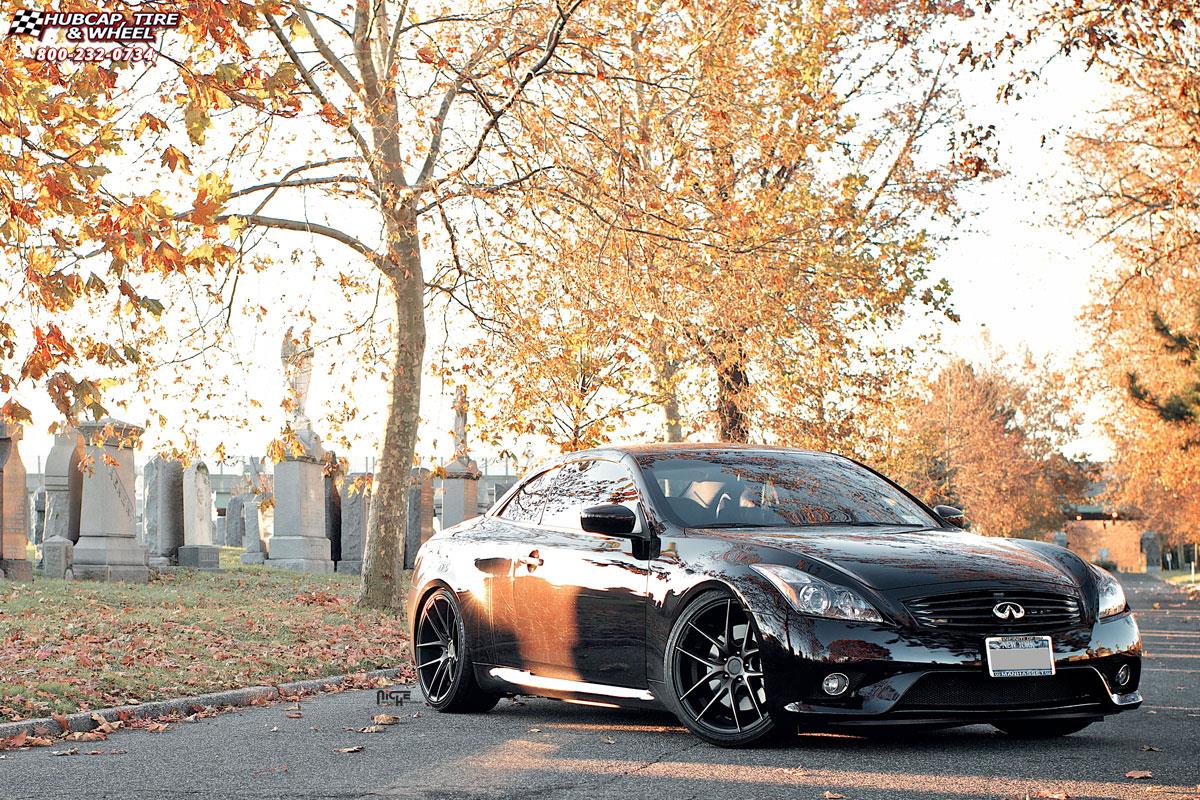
x=1179, y=575
x=66, y=646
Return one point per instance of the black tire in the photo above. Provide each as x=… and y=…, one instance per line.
x=442, y=656
x=1041, y=730
x=714, y=676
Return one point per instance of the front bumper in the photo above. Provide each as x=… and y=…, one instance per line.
x=922, y=676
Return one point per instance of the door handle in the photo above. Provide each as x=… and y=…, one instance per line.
x=532, y=560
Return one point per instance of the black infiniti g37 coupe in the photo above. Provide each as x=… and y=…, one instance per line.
x=755, y=591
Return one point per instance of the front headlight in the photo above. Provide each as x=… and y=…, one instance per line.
x=815, y=597
x=1112, y=596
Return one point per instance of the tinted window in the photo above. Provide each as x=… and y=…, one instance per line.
x=526, y=504
x=707, y=489
x=582, y=484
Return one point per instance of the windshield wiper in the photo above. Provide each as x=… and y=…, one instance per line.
x=711, y=525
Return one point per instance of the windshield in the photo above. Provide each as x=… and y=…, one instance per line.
x=776, y=489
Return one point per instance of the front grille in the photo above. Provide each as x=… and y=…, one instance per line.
x=979, y=691
x=972, y=611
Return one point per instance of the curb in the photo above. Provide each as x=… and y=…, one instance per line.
x=231, y=698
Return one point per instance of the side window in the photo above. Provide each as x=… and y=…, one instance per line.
x=581, y=484
x=526, y=504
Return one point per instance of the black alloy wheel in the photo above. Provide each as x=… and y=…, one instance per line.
x=715, y=674
x=442, y=655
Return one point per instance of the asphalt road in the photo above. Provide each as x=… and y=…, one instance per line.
x=541, y=748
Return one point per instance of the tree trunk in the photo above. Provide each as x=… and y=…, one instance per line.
x=732, y=381
x=667, y=395
x=383, y=559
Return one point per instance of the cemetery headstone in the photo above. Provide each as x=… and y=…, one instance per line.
x=219, y=531
x=58, y=558
x=38, y=532
x=355, y=510
x=64, y=486
x=235, y=522
x=162, y=513
x=258, y=514
x=198, y=550
x=14, y=507
x=108, y=549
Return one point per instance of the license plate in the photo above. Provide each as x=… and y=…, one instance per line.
x=1019, y=656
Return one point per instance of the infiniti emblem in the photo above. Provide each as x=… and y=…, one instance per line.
x=1007, y=610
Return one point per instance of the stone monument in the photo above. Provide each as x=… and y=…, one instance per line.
x=64, y=486
x=420, y=514
x=333, y=505
x=198, y=550
x=38, y=531
x=355, y=512
x=235, y=522
x=58, y=558
x=14, y=507
x=108, y=549
x=258, y=515
x=299, y=540
x=162, y=511
x=460, y=481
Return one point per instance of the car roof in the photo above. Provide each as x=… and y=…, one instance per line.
x=676, y=448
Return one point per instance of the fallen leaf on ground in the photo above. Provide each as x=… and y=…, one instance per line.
x=294, y=715
x=74, y=751
x=355, y=749
x=608, y=740
x=1139, y=774
x=833, y=796
x=1149, y=748
x=62, y=721
x=1051, y=794
x=372, y=729
x=384, y=719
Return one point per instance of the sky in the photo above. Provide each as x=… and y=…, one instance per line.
x=1020, y=278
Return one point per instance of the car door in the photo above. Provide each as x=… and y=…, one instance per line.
x=513, y=536
x=580, y=597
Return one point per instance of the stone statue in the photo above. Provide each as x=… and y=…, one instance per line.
x=460, y=422
x=297, y=367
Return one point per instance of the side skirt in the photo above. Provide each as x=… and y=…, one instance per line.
x=518, y=681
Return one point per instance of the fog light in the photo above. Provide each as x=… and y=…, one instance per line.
x=1124, y=675
x=835, y=683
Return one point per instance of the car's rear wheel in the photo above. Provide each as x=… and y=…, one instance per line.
x=1042, y=730
x=443, y=657
x=715, y=676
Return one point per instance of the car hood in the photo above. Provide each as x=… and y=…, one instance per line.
x=895, y=558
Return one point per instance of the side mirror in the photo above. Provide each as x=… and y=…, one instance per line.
x=952, y=515
x=611, y=520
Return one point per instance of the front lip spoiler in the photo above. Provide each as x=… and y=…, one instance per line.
x=859, y=716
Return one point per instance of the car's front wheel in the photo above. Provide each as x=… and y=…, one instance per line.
x=715, y=676
x=1042, y=730
x=443, y=657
